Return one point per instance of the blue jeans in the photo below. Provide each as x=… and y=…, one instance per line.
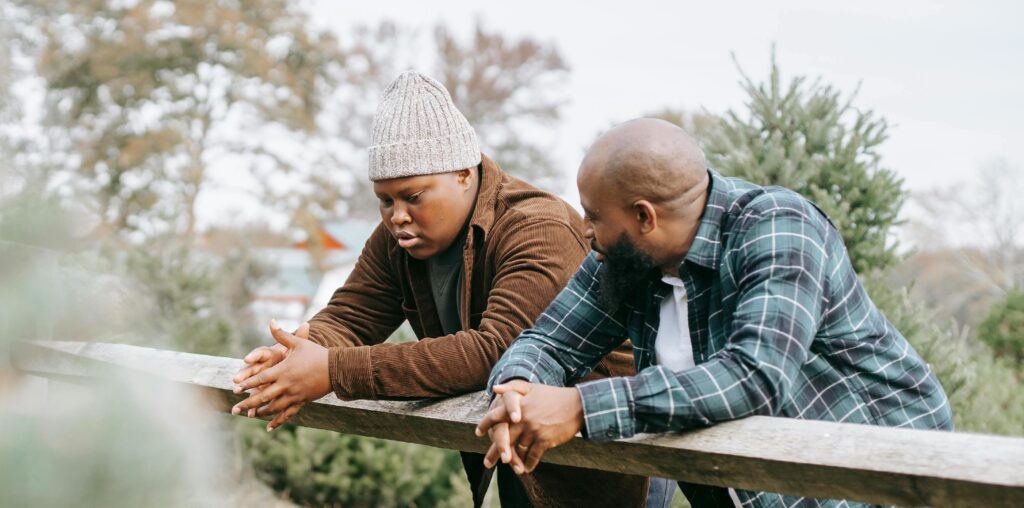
x=660, y=492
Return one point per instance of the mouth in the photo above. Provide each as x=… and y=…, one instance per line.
x=406, y=239
x=599, y=254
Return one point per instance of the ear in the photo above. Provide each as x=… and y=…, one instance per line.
x=646, y=216
x=465, y=177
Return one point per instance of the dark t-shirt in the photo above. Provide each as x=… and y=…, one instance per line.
x=445, y=279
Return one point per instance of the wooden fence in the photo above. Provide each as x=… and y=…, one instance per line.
x=807, y=458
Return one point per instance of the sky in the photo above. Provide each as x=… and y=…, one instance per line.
x=948, y=76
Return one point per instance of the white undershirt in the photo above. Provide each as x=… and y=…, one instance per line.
x=672, y=346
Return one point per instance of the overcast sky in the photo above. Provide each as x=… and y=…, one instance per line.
x=948, y=76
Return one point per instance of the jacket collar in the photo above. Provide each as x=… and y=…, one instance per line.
x=492, y=179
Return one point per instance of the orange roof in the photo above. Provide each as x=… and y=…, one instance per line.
x=326, y=240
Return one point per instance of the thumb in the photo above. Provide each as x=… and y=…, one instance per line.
x=282, y=337
x=302, y=331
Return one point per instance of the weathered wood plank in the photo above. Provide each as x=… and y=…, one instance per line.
x=809, y=458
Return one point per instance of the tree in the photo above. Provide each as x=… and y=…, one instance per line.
x=15, y=176
x=810, y=138
x=509, y=91
x=149, y=94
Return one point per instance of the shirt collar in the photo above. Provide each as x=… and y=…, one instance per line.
x=706, y=249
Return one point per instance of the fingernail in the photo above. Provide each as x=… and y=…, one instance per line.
x=515, y=416
x=273, y=324
x=505, y=457
x=238, y=389
x=269, y=428
x=235, y=410
x=517, y=469
x=488, y=464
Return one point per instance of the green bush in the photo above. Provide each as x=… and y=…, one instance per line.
x=321, y=468
x=1003, y=327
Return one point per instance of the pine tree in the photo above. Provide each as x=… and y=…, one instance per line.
x=809, y=138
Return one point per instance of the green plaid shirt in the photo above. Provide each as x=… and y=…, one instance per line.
x=779, y=323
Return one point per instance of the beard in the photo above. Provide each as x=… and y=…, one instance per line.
x=625, y=271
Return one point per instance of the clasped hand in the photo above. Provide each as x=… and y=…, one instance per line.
x=284, y=377
x=526, y=419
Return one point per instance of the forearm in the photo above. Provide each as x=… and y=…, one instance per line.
x=434, y=367
x=565, y=343
x=331, y=335
x=728, y=387
x=531, y=359
x=350, y=320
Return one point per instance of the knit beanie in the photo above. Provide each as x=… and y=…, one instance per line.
x=418, y=131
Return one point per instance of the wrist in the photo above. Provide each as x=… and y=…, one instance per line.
x=577, y=407
x=324, y=373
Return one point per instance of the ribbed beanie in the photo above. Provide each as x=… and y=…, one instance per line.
x=417, y=130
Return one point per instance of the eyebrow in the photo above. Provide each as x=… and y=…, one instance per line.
x=405, y=191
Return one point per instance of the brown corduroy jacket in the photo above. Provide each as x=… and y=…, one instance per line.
x=522, y=247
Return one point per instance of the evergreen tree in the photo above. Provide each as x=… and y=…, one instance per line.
x=809, y=138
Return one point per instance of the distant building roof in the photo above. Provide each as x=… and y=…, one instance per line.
x=353, y=233
x=343, y=235
x=294, y=275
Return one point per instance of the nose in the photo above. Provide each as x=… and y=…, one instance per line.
x=588, y=230
x=399, y=215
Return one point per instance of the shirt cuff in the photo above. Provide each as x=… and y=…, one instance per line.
x=607, y=409
x=510, y=372
x=351, y=370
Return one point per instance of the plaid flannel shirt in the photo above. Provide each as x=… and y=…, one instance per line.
x=779, y=323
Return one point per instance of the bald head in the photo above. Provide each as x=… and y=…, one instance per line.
x=647, y=159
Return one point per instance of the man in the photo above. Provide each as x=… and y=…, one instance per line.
x=740, y=300
x=467, y=254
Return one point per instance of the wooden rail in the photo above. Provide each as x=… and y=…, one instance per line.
x=808, y=458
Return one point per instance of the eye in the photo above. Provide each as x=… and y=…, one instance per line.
x=385, y=202
x=415, y=197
